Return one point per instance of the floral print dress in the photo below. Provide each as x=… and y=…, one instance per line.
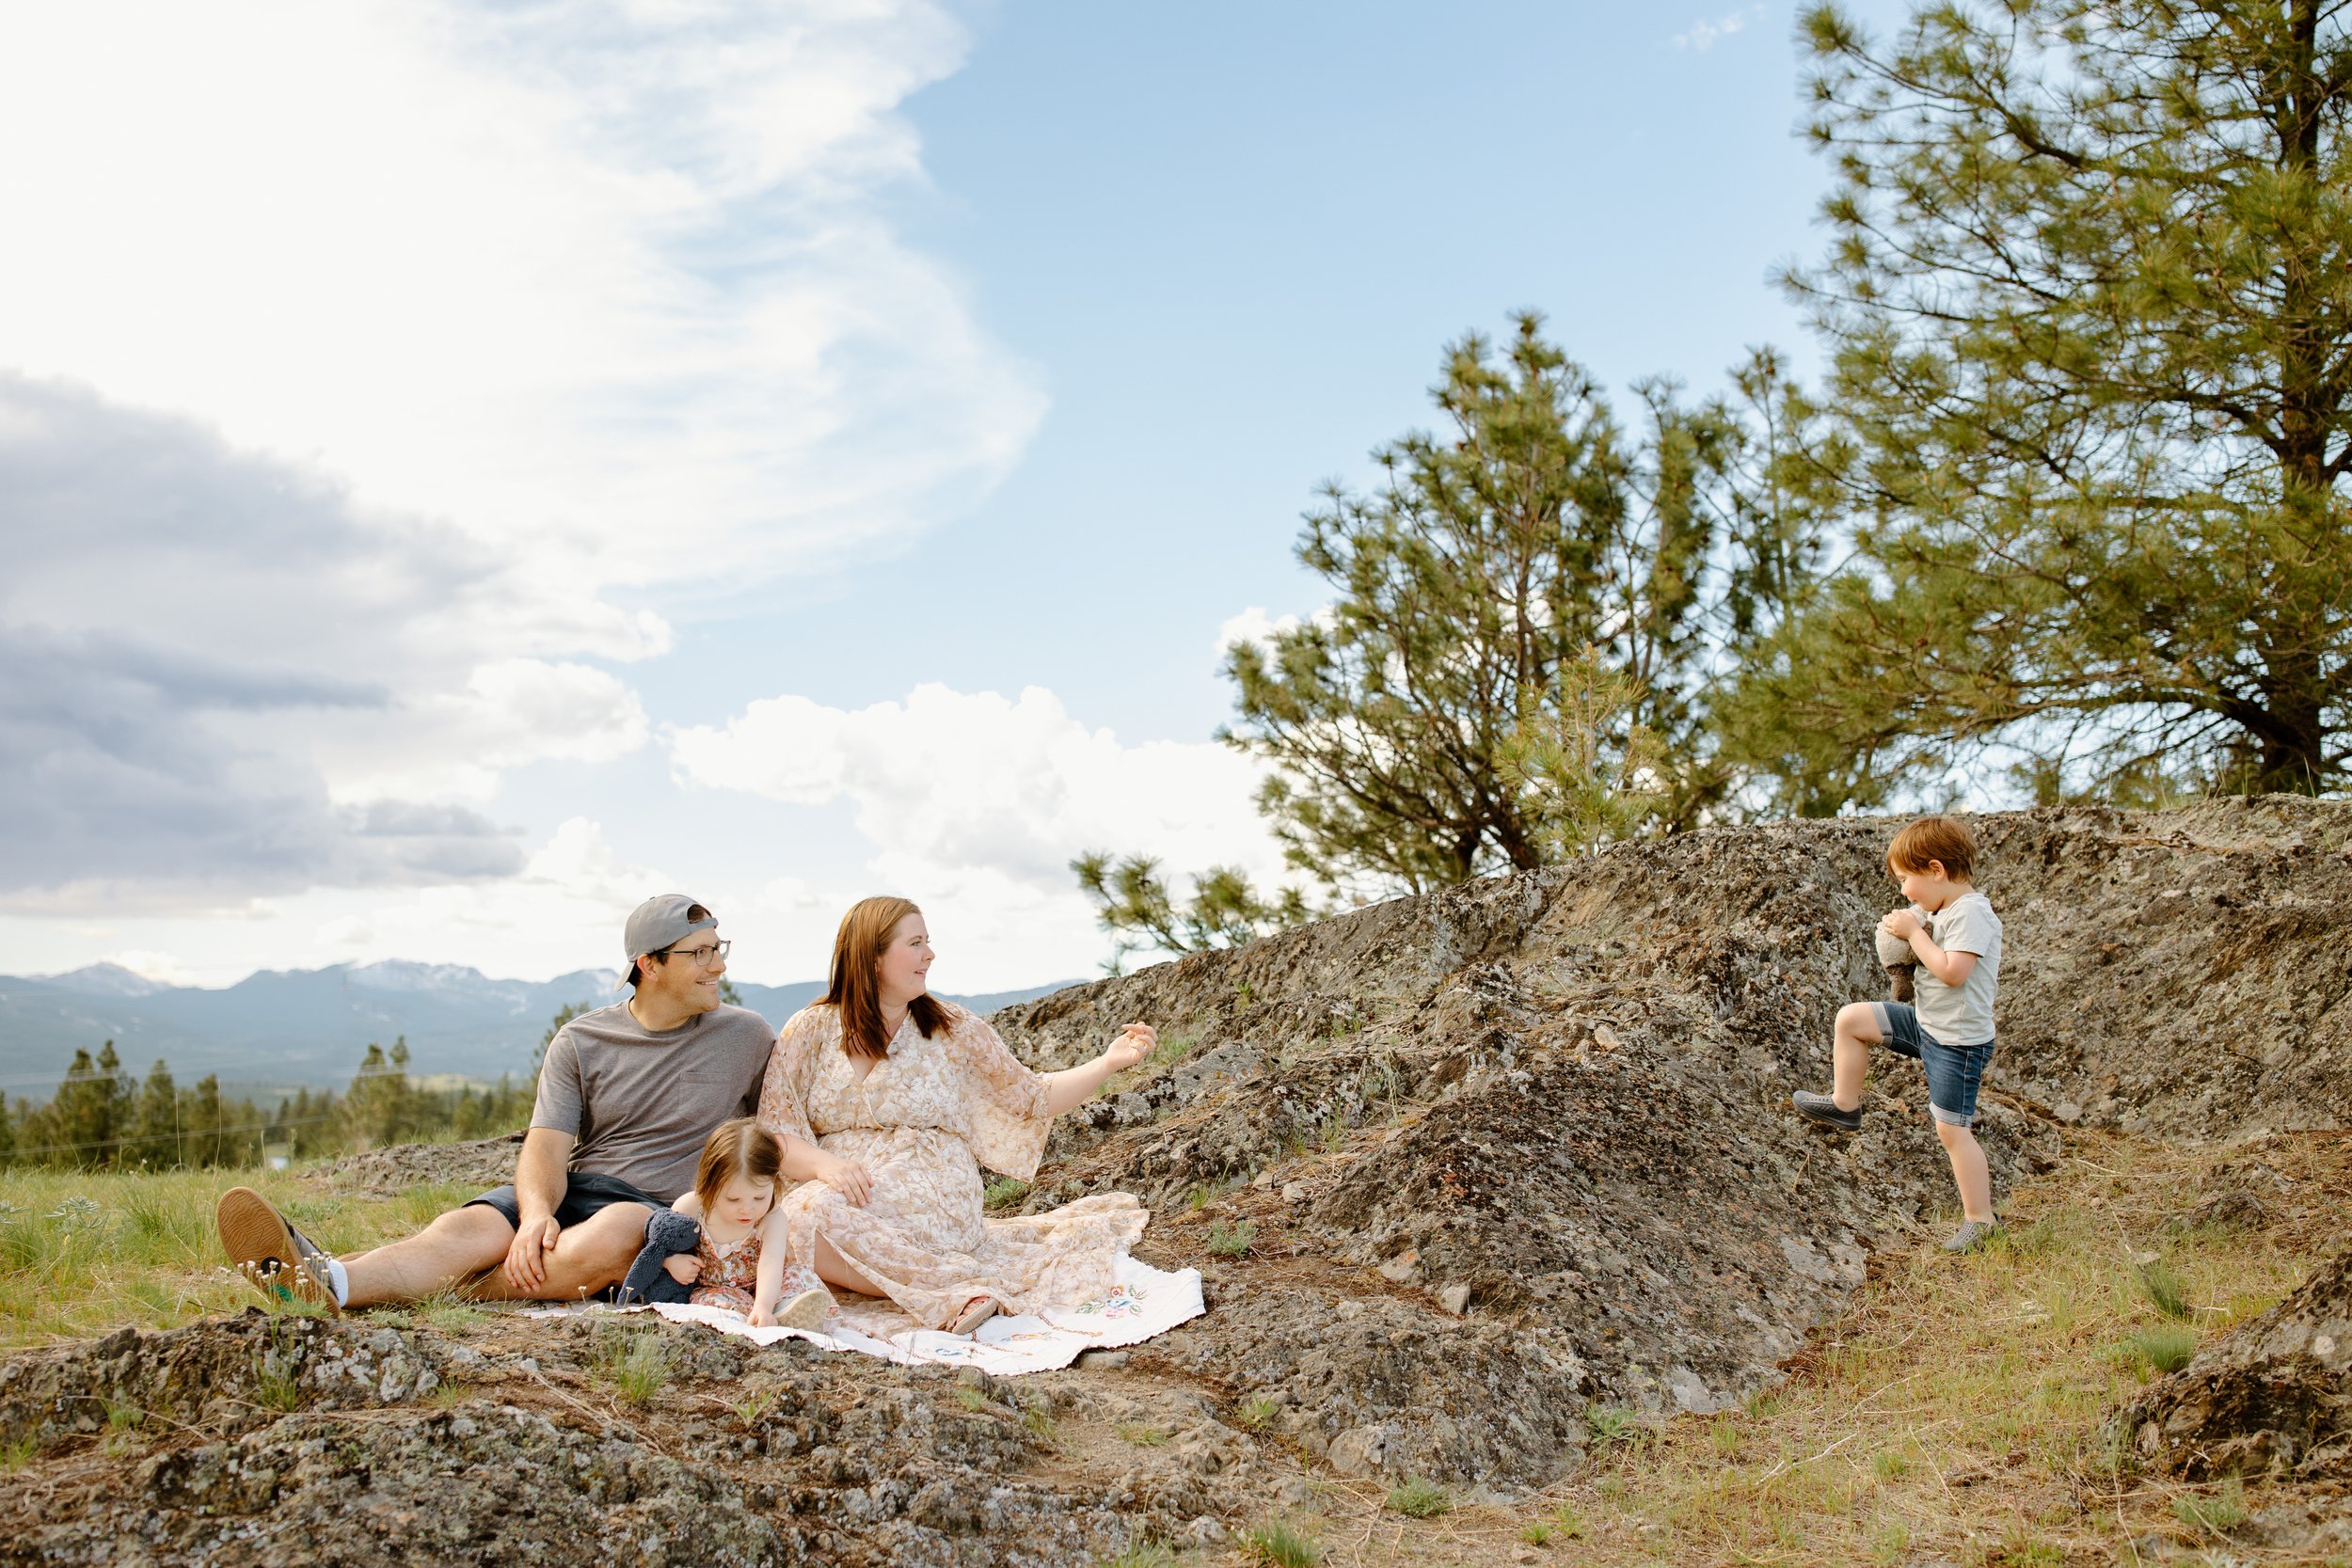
x=730, y=1276
x=923, y=1121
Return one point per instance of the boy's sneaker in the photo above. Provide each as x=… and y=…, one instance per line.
x=1899, y=986
x=283, y=1263
x=1822, y=1108
x=1972, y=1235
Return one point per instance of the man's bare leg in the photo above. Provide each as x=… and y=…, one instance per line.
x=466, y=1241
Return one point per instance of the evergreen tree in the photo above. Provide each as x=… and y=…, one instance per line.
x=203, y=1131
x=157, y=1136
x=91, y=1113
x=7, y=1134
x=1497, y=571
x=2093, y=348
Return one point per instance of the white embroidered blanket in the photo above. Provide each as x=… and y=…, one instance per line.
x=1142, y=1303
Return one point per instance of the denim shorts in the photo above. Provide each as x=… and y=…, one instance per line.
x=1954, y=1072
x=585, y=1195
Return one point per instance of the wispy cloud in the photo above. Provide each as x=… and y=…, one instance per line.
x=1707, y=34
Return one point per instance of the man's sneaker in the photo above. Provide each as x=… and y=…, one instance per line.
x=807, y=1311
x=283, y=1263
x=1972, y=1235
x=1822, y=1108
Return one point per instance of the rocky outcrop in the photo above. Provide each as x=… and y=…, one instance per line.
x=2274, y=1396
x=1460, y=1170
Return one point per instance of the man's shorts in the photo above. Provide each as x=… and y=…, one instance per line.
x=1954, y=1072
x=585, y=1195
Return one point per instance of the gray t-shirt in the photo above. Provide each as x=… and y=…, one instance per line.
x=1963, y=1014
x=643, y=1103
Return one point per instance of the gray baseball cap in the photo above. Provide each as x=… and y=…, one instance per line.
x=662, y=920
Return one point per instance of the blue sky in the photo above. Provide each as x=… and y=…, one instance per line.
x=780, y=455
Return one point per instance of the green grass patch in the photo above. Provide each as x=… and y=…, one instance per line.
x=1141, y=1436
x=638, y=1367
x=1419, y=1499
x=2221, y=1512
x=1281, y=1545
x=1003, y=1192
x=1257, y=1412
x=1231, y=1238
x=2164, y=1287
x=83, y=1252
x=2166, y=1348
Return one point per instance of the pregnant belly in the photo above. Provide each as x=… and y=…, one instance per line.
x=926, y=1182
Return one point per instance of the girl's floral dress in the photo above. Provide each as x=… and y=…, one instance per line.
x=923, y=1122
x=730, y=1276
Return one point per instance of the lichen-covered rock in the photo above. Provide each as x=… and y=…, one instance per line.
x=483, y=1163
x=2274, y=1395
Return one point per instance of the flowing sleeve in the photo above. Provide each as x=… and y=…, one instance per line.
x=1006, y=1117
x=783, y=1094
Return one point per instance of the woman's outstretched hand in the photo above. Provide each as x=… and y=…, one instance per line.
x=1135, y=1042
x=849, y=1178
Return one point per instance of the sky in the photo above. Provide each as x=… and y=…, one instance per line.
x=466, y=468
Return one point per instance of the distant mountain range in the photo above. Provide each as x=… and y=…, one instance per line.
x=290, y=1027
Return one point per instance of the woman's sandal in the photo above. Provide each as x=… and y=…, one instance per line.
x=973, y=1316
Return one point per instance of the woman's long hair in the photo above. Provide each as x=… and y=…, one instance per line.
x=865, y=933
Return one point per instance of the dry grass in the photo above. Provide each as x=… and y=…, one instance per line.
x=1955, y=1415
x=84, y=1253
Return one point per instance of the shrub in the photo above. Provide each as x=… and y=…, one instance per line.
x=1004, y=1193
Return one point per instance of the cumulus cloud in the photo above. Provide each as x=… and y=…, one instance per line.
x=357, y=361
x=213, y=670
x=975, y=805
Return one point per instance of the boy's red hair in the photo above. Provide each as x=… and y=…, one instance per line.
x=1934, y=838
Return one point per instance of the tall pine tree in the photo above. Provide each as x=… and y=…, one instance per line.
x=2090, y=302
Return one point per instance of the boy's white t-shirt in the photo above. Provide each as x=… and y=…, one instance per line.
x=1960, y=1014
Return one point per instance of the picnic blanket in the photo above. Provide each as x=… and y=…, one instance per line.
x=1143, y=1302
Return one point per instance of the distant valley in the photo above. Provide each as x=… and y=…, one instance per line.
x=290, y=1027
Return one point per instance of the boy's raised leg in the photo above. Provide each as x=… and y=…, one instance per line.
x=1849, y=1064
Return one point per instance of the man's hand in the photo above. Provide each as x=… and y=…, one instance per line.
x=850, y=1179
x=684, y=1267
x=1135, y=1042
x=527, y=1260
x=1902, y=926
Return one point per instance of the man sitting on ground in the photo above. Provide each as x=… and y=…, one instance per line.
x=626, y=1095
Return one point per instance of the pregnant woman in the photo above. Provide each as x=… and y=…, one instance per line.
x=908, y=1096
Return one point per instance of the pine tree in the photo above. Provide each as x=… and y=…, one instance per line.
x=1496, y=571
x=203, y=1131
x=91, y=1113
x=155, y=1137
x=2093, y=349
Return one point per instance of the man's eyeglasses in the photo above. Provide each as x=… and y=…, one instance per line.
x=706, y=955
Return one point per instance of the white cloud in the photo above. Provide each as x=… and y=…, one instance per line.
x=1704, y=35
x=975, y=803
x=1252, y=625
x=570, y=274
x=356, y=361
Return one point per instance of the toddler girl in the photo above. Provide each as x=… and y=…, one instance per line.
x=738, y=1258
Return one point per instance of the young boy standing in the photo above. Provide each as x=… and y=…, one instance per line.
x=1956, y=938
